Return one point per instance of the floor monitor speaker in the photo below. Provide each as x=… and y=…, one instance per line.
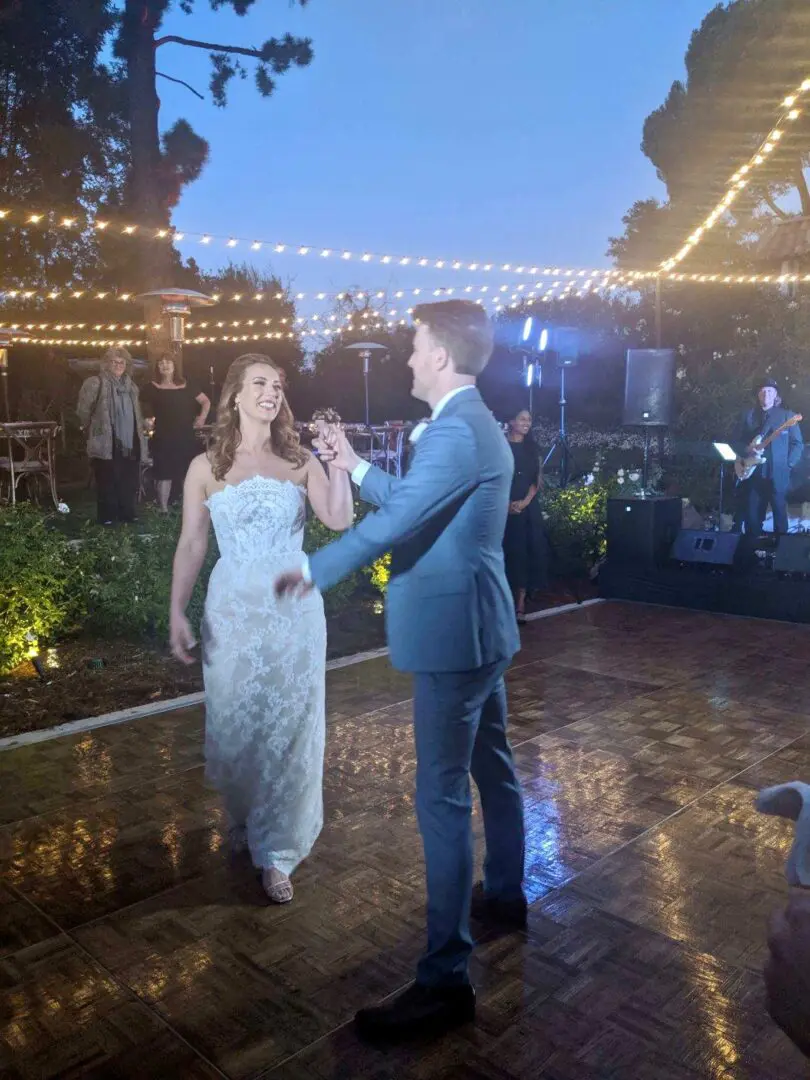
x=706, y=547
x=792, y=554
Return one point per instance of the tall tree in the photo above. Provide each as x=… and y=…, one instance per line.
x=740, y=63
x=162, y=166
x=62, y=143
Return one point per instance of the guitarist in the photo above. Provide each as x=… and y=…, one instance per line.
x=769, y=483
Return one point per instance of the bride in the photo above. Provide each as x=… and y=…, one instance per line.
x=264, y=659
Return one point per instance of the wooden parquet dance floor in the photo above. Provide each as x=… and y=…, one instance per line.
x=132, y=946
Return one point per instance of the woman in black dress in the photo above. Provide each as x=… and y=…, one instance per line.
x=524, y=539
x=173, y=405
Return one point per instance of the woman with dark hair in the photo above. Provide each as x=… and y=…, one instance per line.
x=110, y=414
x=524, y=539
x=172, y=403
x=264, y=658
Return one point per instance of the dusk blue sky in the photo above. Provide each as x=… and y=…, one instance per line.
x=487, y=129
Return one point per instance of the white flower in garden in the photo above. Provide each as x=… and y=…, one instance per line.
x=589, y=479
x=63, y=508
x=680, y=373
x=635, y=477
x=619, y=479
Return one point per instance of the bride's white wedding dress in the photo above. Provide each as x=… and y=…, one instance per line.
x=264, y=666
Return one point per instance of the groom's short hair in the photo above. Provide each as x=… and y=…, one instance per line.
x=463, y=328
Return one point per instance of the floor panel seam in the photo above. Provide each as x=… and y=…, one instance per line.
x=127, y=991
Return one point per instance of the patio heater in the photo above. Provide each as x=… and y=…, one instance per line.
x=366, y=349
x=7, y=339
x=170, y=307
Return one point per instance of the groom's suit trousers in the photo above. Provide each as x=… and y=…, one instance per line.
x=460, y=728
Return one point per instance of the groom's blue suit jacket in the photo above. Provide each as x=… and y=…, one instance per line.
x=448, y=607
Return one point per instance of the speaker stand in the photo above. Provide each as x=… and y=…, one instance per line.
x=645, y=468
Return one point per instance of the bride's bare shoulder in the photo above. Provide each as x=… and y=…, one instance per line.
x=200, y=473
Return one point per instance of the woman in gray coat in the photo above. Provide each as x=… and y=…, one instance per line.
x=110, y=415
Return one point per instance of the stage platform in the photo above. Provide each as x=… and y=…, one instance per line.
x=758, y=593
x=132, y=946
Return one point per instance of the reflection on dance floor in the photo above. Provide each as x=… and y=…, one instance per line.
x=132, y=946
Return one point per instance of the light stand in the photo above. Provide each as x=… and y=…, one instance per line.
x=532, y=375
x=560, y=444
x=365, y=349
x=726, y=454
x=565, y=344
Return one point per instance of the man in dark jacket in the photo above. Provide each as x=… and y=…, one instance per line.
x=770, y=481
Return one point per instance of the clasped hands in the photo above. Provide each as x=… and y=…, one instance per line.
x=334, y=449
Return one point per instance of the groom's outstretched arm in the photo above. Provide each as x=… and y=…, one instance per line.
x=443, y=472
x=375, y=485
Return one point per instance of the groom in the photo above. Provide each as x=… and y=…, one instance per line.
x=451, y=622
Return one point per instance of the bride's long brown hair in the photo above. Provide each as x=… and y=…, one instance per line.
x=227, y=435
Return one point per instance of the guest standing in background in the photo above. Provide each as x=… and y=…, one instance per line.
x=109, y=412
x=172, y=403
x=524, y=540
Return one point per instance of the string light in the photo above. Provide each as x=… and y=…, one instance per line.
x=103, y=343
x=321, y=251
x=614, y=278
x=740, y=180
x=302, y=328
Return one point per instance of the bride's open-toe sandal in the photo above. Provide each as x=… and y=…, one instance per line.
x=277, y=885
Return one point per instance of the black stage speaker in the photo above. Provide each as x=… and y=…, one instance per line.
x=641, y=531
x=648, y=387
x=706, y=547
x=792, y=554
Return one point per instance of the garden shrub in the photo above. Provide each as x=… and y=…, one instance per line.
x=40, y=584
x=112, y=582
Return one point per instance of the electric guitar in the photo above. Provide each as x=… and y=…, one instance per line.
x=744, y=467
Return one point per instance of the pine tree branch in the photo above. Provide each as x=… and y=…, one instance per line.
x=804, y=194
x=208, y=46
x=766, y=198
x=180, y=83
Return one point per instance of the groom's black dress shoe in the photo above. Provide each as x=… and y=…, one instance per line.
x=419, y=1010
x=503, y=915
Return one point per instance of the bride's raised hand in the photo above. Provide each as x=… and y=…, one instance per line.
x=340, y=450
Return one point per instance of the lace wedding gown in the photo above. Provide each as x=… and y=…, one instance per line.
x=264, y=667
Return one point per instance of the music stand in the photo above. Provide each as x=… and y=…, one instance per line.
x=726, y=454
